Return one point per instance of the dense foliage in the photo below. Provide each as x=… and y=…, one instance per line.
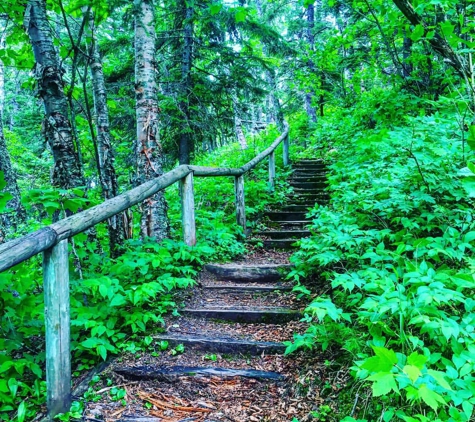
x=394, y=255
x=382, y=90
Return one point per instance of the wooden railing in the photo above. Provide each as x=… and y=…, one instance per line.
x=53, y=242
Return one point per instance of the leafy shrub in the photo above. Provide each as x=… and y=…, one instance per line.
x=396, y=248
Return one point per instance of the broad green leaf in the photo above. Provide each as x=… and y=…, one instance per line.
x=416, y=360
x=430, y=397
x=440, y=378
x=413, y=372
x=384, y=383
x=240, y=14
x=418, y=33
x=118, y=300
x=21, y=412
x=214, y=9
x=102, y=351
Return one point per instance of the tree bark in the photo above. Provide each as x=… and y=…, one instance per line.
x=278, y=115
x=107, y=174
x=238, y=126
x=8, y=220
x=148, y=150
x=186, y=140
x=310, y=94
x=67, y=172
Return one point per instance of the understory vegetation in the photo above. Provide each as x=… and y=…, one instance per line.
x=389, y=266
x=117, y=304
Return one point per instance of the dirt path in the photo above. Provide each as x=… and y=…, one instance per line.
x=222, y=359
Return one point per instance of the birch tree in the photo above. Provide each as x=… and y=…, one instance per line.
x=148, y=150
x=67, y=171
x=107, y=174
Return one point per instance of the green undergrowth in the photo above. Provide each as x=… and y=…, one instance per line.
x=117, y=303
x=393, y=255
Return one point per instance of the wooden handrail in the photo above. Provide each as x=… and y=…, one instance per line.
x=52, y=240
x=19, y=250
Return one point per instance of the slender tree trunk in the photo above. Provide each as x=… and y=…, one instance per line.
x=67, y=171
x=238, y=127
x=407, y=67
x=148, y=149
x=310, y=94
x=278, y=115
x=107, y=174
x=186, y=139
x=8, y=220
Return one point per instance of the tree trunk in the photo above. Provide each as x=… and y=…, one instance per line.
x=107, y=174
x=407, y=67
x=238, y=127
x=67, y=172
x=186, y=140
x=8, y=220
x=148, y=150
x=278, y=116
x=310, y=94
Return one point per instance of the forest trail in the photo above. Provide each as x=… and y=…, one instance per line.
x=222, y=359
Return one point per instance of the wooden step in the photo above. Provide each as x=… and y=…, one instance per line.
x=280, y=243
x=285, y=234
x=243, y=288
x=309, y=185
x=293, y=225
x=321, y=178
x=247, y=315
x=222, y=344
x=285, y=216
x=168, y=374
x=248, y=273
x=298, y=208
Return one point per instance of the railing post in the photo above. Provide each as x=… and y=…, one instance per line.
x=271, y=171
x=57, y=320
x=188, y=209
x=286, y=150
x=240, y=202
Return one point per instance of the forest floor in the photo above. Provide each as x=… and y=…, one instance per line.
x=221, y=357
x=308, y=381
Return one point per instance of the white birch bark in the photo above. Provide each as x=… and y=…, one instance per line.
x=148, y=151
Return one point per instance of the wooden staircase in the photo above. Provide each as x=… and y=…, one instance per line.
x=228, y=326
x=288, y=224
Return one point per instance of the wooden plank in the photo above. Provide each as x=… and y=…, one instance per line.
x=271, y=171
x=286, y=149
x=57, y=319
x=188, y=210
x=240, y=202
x=18, y=250
x=13, y=252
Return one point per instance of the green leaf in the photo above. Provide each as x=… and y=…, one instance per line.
x=413, y=372
x=384, y=383
x=102, y=351
x=383, y=361
x=214, y=9
x=440, y=378
x=417, y=360
x=118, y=300
x=418, y=33
x=430, y=397
x=21, y=412
x=240, y=14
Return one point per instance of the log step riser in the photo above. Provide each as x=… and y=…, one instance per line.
x=273, y=316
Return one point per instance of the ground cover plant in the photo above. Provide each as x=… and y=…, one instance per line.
x=116, y=303
x=395, y=253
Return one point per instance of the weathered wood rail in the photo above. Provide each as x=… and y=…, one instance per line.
x=52, y=241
